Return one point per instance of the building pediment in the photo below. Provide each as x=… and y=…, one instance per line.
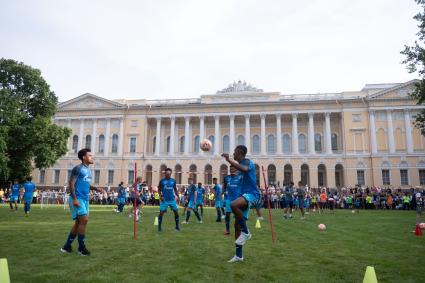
x=399, y=91
x=89, y=101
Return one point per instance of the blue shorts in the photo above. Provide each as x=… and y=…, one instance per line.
x=165, y=204
x=199, y=202
x=252, y=202
x=289, y=203
x=121, y=200
x=218, y=203
x=227, y=202
x=14, y=198
x=81, y=210
x=28, y=200
x=191, y=205
x=301, y=203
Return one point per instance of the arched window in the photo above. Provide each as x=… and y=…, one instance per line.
x=193, y=173
x=302, y=146
x=154, y=145
x=226, y=144
x=256, y=144
x=196, y=144
x=182, y=144
x=212, y=140
x=318, y=142
x=224, y=171
x=162, y=171
x=271, y=173
x=178, y=173
x=75, y=143
x=168, y=145
x=148, y=175
x=241, y=140
x=208, y=174
x=114, y=143
x=88, y=141
x=286, y=143
x=101, y=148
x=334, y=141
x=271, y=144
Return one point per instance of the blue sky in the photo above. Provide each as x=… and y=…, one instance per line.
x=181, y=49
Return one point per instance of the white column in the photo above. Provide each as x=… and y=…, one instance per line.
x=311, y=148
x=328, y=133
x=172, y=134
x=121, y=137
x=186, y=135
x=390, y=131
x=263, y=134
x=279, y=133
x=217, y=137
x=408, y=130
x=201, y=132
x=294, y=133
x=232, y=133
x=247, y=134
x=94, y=134
x=158, y=136
x=69, y=125
x=107, y=136
x=81, y=137
x=373, y=144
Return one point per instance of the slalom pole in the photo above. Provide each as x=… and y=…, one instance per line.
x=268, y=205
x=134, y=201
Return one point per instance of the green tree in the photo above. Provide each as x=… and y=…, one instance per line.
x=415, y=62
x=28, y=138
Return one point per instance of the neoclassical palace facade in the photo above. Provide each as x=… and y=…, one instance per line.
x=341, y=139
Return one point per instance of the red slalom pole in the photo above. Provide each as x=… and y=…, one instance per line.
x=268, y=204
x=134, y=201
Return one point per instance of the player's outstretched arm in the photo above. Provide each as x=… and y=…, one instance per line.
x=235, y=164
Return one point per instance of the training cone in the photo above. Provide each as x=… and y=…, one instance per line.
x=4, y=271
x=370, y=276
x=258, y=224
x=155, y=223
x=418, y=231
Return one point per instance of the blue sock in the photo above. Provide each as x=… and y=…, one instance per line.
x=187, y=215
x=70, y=239
x=29, y=207
x=242, y=223
x=227, y=221
x=159, y=222
x=81, y=238
x=176, y=218
x=238, y=251
x=25, y=207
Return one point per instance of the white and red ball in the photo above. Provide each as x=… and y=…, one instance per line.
x=321, y=227
x=205, y=145
x=422, y=225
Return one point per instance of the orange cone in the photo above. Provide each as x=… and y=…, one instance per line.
x=418, y=231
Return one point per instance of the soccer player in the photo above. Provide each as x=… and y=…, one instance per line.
x=301, y=196
x=249, y=197
x=121, y=198
x=79, y=187
x=218, y=202
x=191, y=206
x=136, y=193
x=231, y=189
x=168, y=194
x=200, y=198
x=29, y=188
x=323, y=199
x=14, y=195
x=289, y=202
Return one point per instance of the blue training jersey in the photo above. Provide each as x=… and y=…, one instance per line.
x=15, y=190
x=82, y=175
x=121, y=192
x=248, y=184
x=29, y=189
x=192, y=190
x=232, y=187
x=200, y=195
x=217, y=189
x=166, y=186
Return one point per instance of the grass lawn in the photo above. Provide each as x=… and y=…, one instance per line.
x=199, y=253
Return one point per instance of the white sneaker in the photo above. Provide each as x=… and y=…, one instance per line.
x=200, y=221
x=222, y=217
x=243, y=237
x=184, y=222
x=236, y=259
x=130, y=216
x=261, y=218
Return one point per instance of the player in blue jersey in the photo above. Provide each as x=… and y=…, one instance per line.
x=137, y=193
x=218, y=199
x=231, y=191
x=14, y=195
x=191, y=206
x=167, y=194
x=200, y=198
x=249, y=197
x=29, y=188
x=120, y=198
x=79, y=188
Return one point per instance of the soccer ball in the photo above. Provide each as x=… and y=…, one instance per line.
x=353, y=211
x=205, y=145
x=321, y=227
x=422, y=225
